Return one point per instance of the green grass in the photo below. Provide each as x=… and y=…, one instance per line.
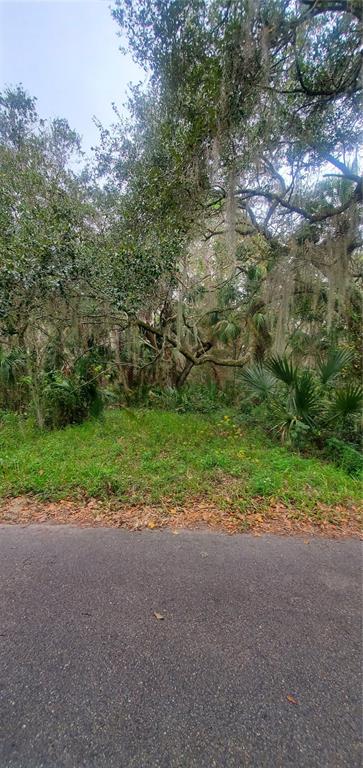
x=152, y=456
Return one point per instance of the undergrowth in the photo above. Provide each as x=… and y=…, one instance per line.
x=150, y=456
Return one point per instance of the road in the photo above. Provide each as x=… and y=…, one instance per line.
x=90, y=677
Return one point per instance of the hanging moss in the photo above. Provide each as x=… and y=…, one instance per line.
x=231, y=217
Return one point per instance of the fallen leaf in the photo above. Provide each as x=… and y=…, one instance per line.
x=158, y=616
x=41, y=472
x=151, y=525
x=291, y=699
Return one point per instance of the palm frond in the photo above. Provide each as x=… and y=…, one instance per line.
x=347, y=401
x=259, y=321
x=259, y=380
x=306, y=401
x=333, y=364
x=283, y=369
x=227, y=331
x=10, y=364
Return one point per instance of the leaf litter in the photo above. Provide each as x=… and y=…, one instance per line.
x=261, y=516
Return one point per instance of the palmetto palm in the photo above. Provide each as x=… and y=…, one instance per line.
x=301, y=399
x=11, y=364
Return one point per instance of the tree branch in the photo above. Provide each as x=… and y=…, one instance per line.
x=343, y=168
x=293, y=208
x=199, y=358
x=334, y=6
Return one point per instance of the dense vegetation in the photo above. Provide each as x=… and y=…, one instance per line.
x=209, y=253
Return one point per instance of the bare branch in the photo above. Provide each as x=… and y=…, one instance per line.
x=343, y=168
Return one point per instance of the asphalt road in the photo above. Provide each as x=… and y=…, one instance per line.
x=90, y=677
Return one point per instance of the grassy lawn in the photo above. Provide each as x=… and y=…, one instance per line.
x=153, y=457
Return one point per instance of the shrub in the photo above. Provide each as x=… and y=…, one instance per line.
x=305, y=403
x=71, y=398
x=344, y=455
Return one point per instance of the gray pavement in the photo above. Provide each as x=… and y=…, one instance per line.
x=89, y=676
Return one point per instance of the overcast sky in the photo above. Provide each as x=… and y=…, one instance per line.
x=66, y=53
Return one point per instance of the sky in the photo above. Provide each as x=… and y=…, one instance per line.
x=66, y=53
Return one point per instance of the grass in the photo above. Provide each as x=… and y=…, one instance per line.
x=146, y=456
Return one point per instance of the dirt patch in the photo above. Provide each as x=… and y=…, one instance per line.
x=334, y=521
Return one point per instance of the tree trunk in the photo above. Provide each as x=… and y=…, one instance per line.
x=184, y=374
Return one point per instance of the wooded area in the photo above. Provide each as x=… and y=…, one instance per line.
x=209, y=252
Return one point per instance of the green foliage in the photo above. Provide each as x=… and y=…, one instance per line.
x=71, y=399
x=227, y=331
x=345, y=456
x=61, y=401
x=190, y=399
x=11, y=365
x=347, y=401
x=17, y=115
x=145, y=456
x=283, y=369
x=12, y=371
x=330, y=367
x=303, y=401
x=259, y=380
x=305, y=398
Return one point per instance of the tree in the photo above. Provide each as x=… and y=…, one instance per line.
x=259, y=103
x=46, y=236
